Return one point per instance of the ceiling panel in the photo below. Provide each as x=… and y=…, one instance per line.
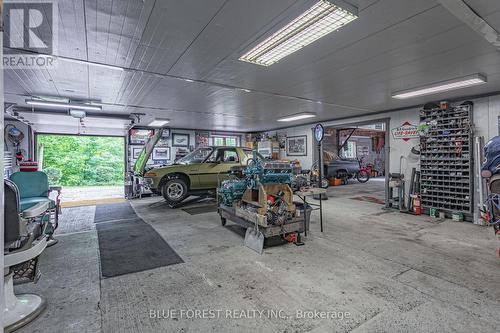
x=320, y=56
x=169, y=33
x=114, y=29
x=237, y=23
x=394, y=45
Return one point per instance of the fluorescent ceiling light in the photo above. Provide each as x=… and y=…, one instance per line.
x=298, y=116
x=321, y=19
x=77, y=113
x=458, y=83
x=158, y=122
x=64, y=105
x=85, y=62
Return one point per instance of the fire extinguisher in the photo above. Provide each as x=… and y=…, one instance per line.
x=417, y=207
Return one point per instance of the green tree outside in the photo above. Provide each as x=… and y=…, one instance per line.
x=83, y=160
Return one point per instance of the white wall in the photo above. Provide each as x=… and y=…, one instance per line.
x=398, y=147
x=485, y=117
x=192, y=141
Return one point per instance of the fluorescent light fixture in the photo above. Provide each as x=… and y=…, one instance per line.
x=159, y=122
x=458, y=83
x=90, y=63
x=87, y=107
x=298, y=116
x=321, y=19
x=245, y=90
x=77, y=113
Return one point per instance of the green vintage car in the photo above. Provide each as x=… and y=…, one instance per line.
x=199, y=172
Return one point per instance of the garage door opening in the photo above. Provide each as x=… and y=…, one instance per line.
x=355, y=160
x=89, y=168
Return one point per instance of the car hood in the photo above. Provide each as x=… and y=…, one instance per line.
x=140, y=163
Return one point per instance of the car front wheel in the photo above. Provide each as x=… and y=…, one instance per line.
x=174, y=191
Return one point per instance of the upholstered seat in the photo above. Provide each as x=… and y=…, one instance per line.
x=34, y=189
x=27, y=203
x=24, y=240
x=31, y=184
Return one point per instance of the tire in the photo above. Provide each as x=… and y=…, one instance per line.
x=325, y=183
x=362, y=176
x=174, y=191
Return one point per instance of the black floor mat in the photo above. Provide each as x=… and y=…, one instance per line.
x=200, y=209
x=132, y=246
x=120, y=211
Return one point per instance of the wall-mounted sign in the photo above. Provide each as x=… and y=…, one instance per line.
x=405, y=132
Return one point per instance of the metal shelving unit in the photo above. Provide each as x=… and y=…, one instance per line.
x=446, y=160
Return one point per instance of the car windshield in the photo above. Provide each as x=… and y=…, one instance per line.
x=197, y=156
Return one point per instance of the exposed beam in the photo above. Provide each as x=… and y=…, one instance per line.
x=465, y=14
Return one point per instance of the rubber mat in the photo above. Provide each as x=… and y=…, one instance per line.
x=131, y=246
x=118, y=211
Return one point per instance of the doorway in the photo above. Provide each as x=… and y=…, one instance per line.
x=356, y=160
x=89, y=168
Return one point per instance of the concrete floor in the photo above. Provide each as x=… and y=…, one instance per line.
x=386, y=271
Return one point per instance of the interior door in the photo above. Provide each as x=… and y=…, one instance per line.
x=218, y=166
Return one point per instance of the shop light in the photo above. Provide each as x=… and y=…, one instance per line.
x=64, y=105
x=321, y=19
x=458, y=83
x=159, y=122
x=90, y=63
x=77, y=114
x=298, y=116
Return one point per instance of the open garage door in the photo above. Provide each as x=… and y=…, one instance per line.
x=89, y=168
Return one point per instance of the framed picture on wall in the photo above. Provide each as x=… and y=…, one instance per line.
x=136, y=151
x=164, y=140
x=180, y=140
x=161, y=153
x=296, y=145
x=139, y=136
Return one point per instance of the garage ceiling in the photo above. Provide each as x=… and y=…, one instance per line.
x=393, y=46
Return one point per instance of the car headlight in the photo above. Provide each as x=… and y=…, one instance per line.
x=148, y=181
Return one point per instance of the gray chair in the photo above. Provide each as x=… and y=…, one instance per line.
x=24, y=240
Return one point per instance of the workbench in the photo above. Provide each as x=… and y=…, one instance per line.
x=307, y=193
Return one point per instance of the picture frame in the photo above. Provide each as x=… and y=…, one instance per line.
x=180, y=140
x=139, y=136
x=164, y=140
x=136, y=151
x=162, y=153
x=296, y=145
